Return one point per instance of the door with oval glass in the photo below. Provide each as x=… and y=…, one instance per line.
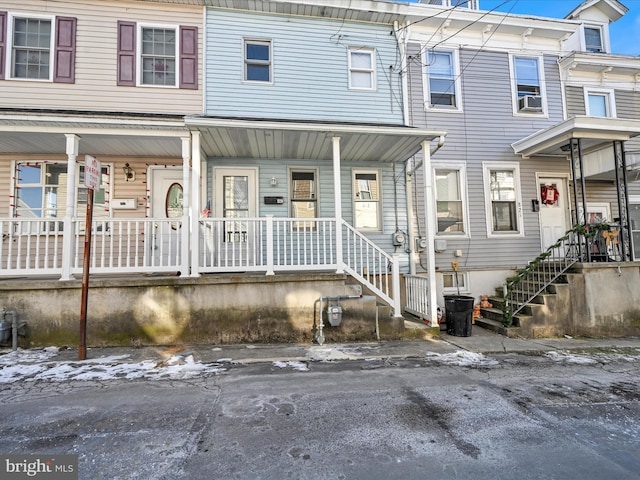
x=167, y=202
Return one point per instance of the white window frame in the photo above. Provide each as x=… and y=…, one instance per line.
x=455, y=63
x=610, y=100
x=378, y=201
x=463, y=278
x=634, y=200
x=487, y=168
x=371, y=71
x=104, y=185
x=514, y=86
x=461, y=168
x=10, y=52
x=603, y=37
x=139, y=56
x=246, y=61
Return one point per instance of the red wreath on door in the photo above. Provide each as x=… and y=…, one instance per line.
x=549, y=194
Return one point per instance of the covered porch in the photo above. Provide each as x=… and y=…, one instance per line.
x=188, y=238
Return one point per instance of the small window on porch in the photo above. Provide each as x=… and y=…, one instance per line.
x=366, y=201
x=304, y=203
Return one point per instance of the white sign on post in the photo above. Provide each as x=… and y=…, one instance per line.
x=92, y=172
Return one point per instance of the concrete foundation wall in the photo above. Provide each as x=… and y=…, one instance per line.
x=205, y=310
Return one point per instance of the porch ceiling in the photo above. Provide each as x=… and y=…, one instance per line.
x=276, y=140
x=595, y=133
x=44, y=134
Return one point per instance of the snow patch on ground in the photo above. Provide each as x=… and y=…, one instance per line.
x=565, y=357
x=462, y=358
x=300, y=366
x=37, y=365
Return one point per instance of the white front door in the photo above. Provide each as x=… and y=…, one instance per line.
x=236, y=200
x=167, y=200
x=554, y=211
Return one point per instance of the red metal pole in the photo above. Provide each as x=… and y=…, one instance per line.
x=82, y=345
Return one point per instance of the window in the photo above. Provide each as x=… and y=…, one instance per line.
x=257, y=61
x=454, y=281
x=304, y=196
x=471, y=4
x=600, y=103
x=450, y=205
x=163, y=56
x=502, y=199
x=528, y=85
x=593, y=39
x=366, y=188
x=634, y=221
x=41, y=191
x=443, y=82
x=362, y=69
x=38, y=48
x=158, y=56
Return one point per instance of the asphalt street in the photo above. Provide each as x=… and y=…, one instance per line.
x=432, y=410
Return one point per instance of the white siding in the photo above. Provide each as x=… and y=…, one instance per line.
x=95, y=86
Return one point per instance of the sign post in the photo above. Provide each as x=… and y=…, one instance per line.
x=92, y=174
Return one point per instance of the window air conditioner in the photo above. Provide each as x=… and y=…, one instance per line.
x=530, y=103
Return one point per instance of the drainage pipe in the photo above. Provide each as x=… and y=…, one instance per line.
x=14, y=327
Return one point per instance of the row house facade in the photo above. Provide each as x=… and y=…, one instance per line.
x=249, y=153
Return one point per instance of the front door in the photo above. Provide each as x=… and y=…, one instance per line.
x=553, y=202
x=236, y=202
x=166, y=203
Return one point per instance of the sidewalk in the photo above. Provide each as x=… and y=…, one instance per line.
x=480, y=342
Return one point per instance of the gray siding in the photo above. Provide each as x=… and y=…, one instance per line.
x=310, y=69
x=484, y=132
x=575, y=101
x=627, y=104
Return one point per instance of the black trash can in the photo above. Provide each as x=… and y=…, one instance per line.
x=459, y=310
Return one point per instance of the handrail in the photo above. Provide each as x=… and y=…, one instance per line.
x=520, y=290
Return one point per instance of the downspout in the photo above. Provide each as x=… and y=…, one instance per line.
x=408, y=181
x=402, y=37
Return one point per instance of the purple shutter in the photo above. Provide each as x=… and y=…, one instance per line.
x=189, y=57
x=3, y=42
x=127, y=54
x=64, y=70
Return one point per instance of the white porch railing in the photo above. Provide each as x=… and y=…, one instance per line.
x=149, y=245
x=417, y=295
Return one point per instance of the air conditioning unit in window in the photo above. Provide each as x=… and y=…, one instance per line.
x=530, y=103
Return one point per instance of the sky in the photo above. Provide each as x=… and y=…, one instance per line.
x=625, y=33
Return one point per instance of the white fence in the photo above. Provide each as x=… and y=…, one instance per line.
x=417, y=295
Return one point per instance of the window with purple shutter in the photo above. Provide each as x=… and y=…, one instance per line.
x=127, y=53
x=189, y=57
x=3, y=42
x=65, y=50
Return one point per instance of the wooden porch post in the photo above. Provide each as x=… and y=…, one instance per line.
x=186, y=206
x=68, y=234
x=194, y=239
x=430, y=214
x=337, y=191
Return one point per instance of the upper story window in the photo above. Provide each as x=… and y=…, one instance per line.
x=528, y=85
x=41, y=190
x=450, y=199
x=502, y=199
x=37, y=48
x=362, y=74
x=593, y=39
x=158, y=56
x=366, y=193
x=257, y=61
x=164, y=56
x=443, y=84
x=600, y=102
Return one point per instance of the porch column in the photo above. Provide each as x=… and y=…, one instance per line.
x=430, y=221
x=626, y=239
x=194, y=241
x=68, y=232
x=337, y=192
x=186, y=206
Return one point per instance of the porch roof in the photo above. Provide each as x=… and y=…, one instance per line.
x=595, y=133
x=276, y=140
